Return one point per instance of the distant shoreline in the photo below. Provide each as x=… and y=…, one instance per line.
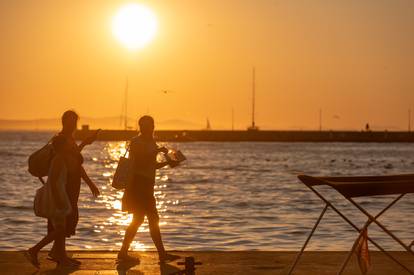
x=245, y=136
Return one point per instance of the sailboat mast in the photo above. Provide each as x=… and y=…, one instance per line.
x=232, y=119
x=320, y=119
x=253, y=96
x=126, y=105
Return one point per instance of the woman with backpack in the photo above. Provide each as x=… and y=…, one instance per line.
x=75, y=172
x=52, y=202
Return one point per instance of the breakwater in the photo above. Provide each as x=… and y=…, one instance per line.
x=275, y=136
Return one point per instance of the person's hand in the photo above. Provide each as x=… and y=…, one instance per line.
x=163, y=150
x=91, y=138
x=95, y=191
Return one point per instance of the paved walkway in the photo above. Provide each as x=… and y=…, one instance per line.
x=244, y=262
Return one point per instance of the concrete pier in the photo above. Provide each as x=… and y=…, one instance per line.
x=215, y=262
x=237, y=136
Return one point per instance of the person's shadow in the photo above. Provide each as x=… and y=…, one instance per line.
x=58, y=271
x=167, y=269
x=124, y=267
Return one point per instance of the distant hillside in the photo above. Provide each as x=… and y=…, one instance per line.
x=94, y=123
x=33, y=124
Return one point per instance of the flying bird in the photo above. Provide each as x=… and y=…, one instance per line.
x=166, y=91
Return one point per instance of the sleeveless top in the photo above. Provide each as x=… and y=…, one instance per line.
x=143, y=154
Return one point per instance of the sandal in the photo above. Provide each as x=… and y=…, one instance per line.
x=32, y=258
x=126, y=258
x=50, y=257
x=168, y=258
x=66, y=263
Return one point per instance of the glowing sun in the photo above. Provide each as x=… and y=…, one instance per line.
x=134, y=25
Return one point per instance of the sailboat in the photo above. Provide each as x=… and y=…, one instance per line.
x=208, y=125
x=253, y=127
x=124, y=114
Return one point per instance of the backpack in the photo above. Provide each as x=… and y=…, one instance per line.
x=39, y=162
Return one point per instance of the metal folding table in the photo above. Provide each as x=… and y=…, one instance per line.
x=352, y=187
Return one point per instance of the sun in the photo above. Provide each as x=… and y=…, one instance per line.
x=134, y=25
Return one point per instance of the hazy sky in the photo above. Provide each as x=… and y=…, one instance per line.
x=354, y=59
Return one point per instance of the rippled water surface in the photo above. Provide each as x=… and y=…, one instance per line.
x=227, y=196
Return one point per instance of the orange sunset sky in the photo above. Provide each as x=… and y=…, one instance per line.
x=353, y=59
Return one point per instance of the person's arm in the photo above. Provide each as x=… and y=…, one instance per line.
x=56, y=169
x=89, y=140
x=163, y=150
x=168, y=161
x=160, y=165
x=81, y=146
x=94, y=189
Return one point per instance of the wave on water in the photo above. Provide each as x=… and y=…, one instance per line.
x=12, y=154
x=15, y=207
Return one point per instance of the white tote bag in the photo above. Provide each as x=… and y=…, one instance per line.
x=44, y=203
x=122, y=172
x=41, y=206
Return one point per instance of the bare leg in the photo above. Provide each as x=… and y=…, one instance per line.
x=153, y=221
x=59, y=254
x=58, y=236
x=59, y=250
x=50, y=237
x=53, y=256
x=33, y=252
x=51, y=226
x=130, y=233
x=154, y=227
x=52, y=251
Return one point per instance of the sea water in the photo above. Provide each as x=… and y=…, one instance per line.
x=225, y=196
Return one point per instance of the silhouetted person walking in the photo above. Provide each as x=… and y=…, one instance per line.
x=75, y=172
x=139, y=193
x=54, y=204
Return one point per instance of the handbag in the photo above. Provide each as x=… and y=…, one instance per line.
x=40, y=205
x=44, y=205
x=122, y=171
